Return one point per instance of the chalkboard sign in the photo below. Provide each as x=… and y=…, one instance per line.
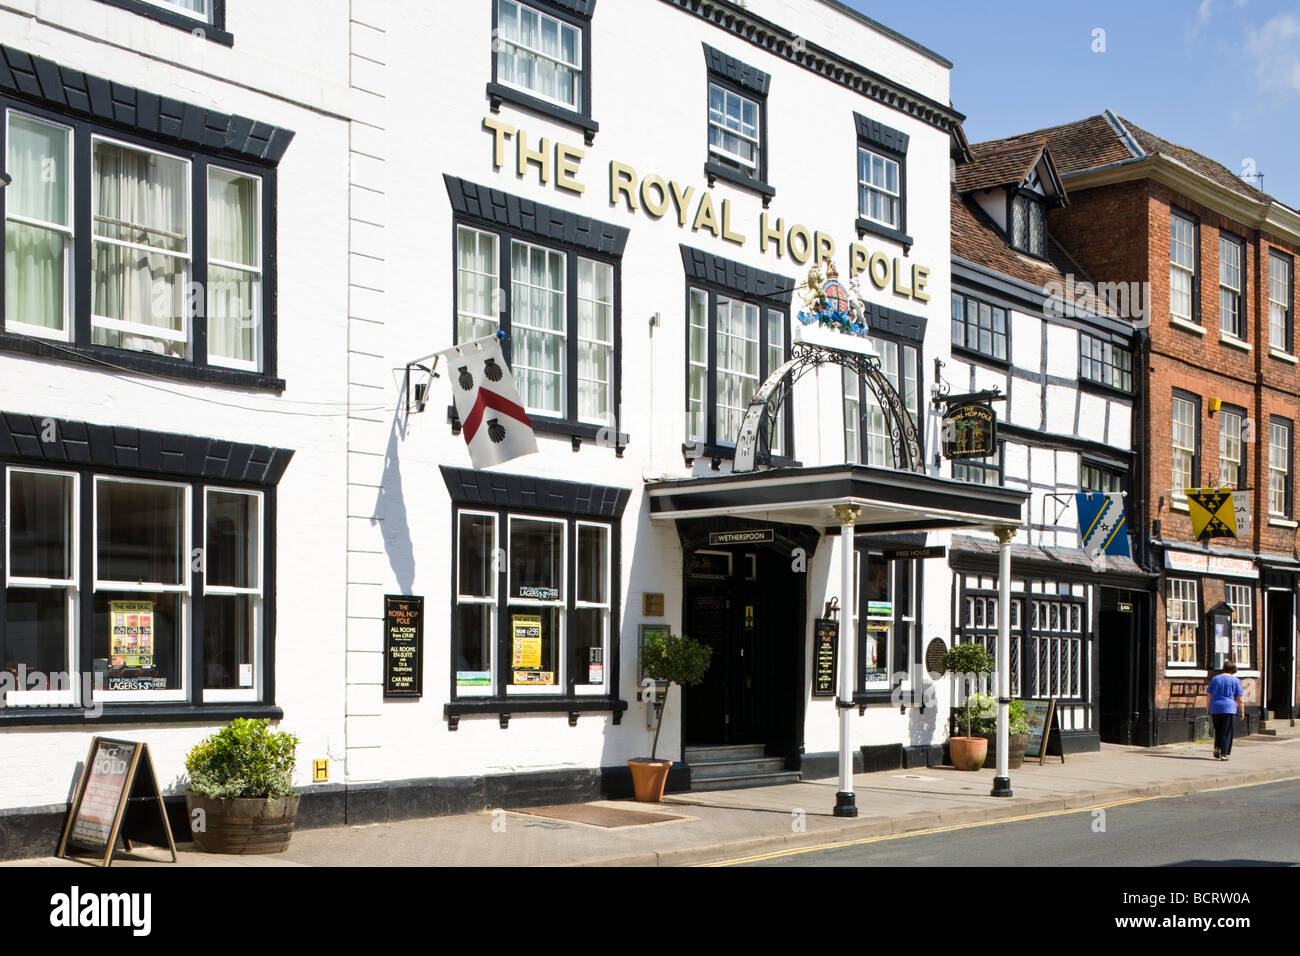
x=403, y=646
x=826, y=642
x=116, y=796
x=1044, y=730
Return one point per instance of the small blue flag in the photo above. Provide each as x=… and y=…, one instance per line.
x=1102, y=528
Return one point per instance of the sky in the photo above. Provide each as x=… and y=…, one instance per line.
x=1221, y=77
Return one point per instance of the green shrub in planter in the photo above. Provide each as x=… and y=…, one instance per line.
x=967, y=661
x=984, y=715
x=244, y=759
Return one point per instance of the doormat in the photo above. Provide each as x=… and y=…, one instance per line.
x=608, y=817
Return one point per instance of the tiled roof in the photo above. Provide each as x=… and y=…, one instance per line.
x=975, y=237
x=1003, y=163
x=1093, y=142
x=1063, y=555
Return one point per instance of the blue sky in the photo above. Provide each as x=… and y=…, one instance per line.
x=1219, y=76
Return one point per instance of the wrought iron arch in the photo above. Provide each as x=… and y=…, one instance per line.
x=753, y=442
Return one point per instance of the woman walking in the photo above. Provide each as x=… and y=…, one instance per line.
x=1225, y=692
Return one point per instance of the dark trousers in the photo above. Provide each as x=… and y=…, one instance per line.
x=1223, y=724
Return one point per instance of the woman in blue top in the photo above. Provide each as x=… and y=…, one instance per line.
x=1225, y=693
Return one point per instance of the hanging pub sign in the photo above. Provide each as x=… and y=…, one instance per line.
x=117, y=797
x=970, y=430
x=403, y=646
x=826, y=636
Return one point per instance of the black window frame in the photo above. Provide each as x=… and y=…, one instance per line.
x=89, y=451
x=576, y=13
x=569, y=425
x=1109, y=368
x=903, y=648
x=890, y=143
x=1031, y=199
x=1238, y=412
x=1242, y=334
x=1176, y=213
x=1103, y=469
x=981, y=465
x=963, y=349
x=1290, y=296
x=749, y=83
x=1195, y=401
x=82, y=348
x=1289, y=425
x=712, y=447
x=212, y=29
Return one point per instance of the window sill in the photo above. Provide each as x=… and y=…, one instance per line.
x=715, y=171
x=1185, y=325
x=504, y=708
x=1088, y=385
x=144, y=362
x=865, y=226
x=960, y=351
x=191, y=25
x=1235, y=343
x=1282, y=522
x=1188, y=670
x=498, y=93
x=578, y=432
x=720, y=453
x=1284, y=356
x=1178, y=504
x=134, y=713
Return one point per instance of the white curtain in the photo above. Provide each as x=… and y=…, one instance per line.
x=233, y=293
x=36, y=256
x=141, y=198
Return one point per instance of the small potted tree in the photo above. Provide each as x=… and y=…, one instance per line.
x=670, y=659
x=968, y=662
x=241, y=797
x=984, y=723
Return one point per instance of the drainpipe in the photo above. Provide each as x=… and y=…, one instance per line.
x=846, y=515
x=1002, y=780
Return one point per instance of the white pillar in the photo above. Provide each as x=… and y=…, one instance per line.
x=847, y=514
x=1002, y=780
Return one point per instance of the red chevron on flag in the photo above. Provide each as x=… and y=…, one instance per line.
x=494, y=423
x=490, y=399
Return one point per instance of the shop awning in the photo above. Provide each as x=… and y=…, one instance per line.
x=891, y=501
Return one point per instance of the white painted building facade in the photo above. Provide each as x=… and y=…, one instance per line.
x=528, y=165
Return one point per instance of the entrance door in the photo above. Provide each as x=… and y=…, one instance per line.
x=748, y=605
x=1281, y=648
x=1123, y=667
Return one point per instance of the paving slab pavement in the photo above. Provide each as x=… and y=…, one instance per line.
x=727, y=824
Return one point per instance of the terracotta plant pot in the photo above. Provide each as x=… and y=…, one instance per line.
x=648, y=778
x=242, y=824
x=967, y=753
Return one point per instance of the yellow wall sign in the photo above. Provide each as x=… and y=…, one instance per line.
x=527, y=631
x=657, y=197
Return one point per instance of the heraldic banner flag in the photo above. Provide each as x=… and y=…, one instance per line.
x=1102, y=528
x=494, y=423
x=1213, y=512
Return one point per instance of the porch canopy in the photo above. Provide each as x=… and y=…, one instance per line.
x=871, y=500
x=889, y=501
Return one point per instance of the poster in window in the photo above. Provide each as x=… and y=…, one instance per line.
x=526, y=651
x=131, y=648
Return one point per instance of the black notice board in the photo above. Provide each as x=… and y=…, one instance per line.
x=826, y=643
x=403, y=646
x=117, y=796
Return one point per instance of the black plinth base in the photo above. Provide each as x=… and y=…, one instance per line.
x=1001, y=787
x=845, y=805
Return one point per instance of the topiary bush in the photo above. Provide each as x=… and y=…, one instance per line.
x=677, y=659
x=243, y=759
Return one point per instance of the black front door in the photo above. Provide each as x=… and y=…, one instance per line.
x=1123, y=669
x=747, y=605
x=1281, y=648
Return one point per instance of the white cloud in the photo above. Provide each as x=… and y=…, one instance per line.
x=1275, y=48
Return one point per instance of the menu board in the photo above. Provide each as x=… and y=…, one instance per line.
x=117, y=796
x=826, y=641
x=403, y=646
x=1041, y=716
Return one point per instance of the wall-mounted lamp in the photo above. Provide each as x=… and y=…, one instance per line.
x=1215, y=404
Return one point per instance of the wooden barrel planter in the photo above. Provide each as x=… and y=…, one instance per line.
x=1016, y=744
x=243, y=824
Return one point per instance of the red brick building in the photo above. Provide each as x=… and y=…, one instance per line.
x=1206, y=263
